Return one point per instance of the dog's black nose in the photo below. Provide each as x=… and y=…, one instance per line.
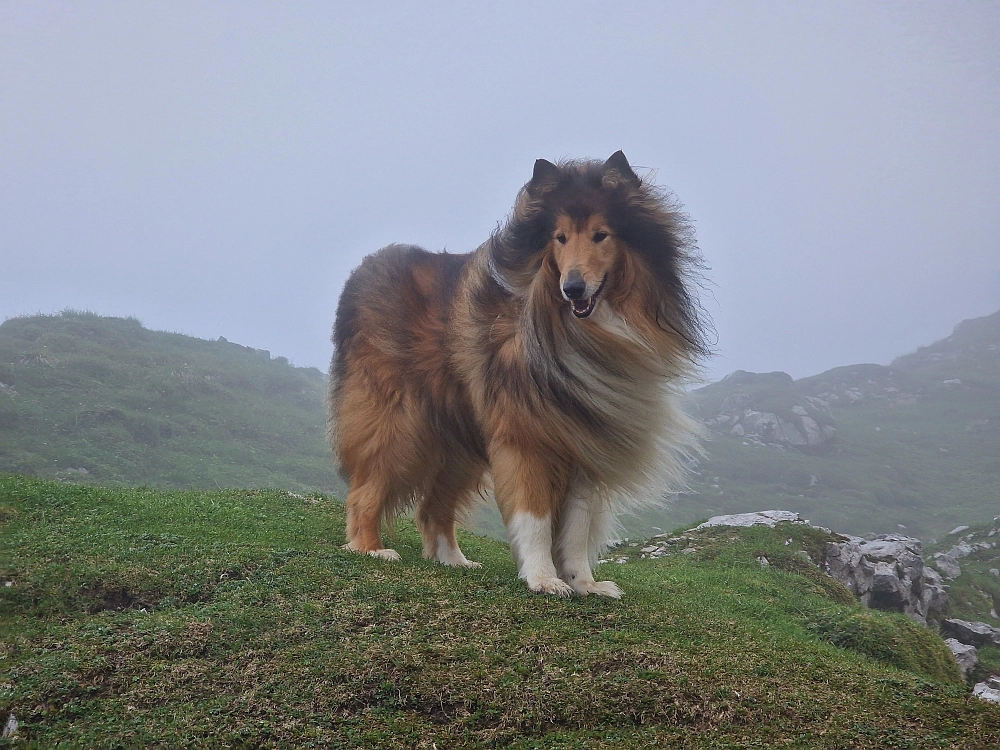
x=574, y=286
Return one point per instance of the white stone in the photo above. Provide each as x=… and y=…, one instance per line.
x=986, y=693
x=965, y=656
x=948, y=565
x=761, y=518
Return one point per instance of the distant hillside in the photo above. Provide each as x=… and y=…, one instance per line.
x=104, y=400
x=860, y=449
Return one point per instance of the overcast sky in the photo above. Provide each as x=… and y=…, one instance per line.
x=217, y=169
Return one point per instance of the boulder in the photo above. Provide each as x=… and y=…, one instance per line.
x=986, y=693
x=760, y=518
x=972, y=633
x=965, y=655
x=948, y=565
x=888, y=573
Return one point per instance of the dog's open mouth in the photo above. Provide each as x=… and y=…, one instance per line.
x=582, y=308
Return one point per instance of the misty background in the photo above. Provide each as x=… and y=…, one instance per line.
x=217, y=169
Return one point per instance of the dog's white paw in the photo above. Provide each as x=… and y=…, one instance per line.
x=600, y=588
x=385, y=554
x=452, y=556
x=382, y=554
x=552, y=585
x=457, y=562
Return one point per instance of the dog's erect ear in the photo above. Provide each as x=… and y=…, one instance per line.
x=546, y=174
x=619, y=163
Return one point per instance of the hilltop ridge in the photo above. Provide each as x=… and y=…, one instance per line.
x=863, y=448
x=97, y=399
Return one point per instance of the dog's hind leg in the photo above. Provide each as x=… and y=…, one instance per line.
x=439, y=510
x=584, y=525
x=366, y=502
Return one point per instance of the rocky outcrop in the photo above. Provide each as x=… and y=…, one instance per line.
x=973, y=633
x=803, y=422
x=947, y=562
x=888, y=573
x=966, y=656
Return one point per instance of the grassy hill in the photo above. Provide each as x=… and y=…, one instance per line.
x=99, y=400
x=916, y=444
x=143, y=618
x=95, y=399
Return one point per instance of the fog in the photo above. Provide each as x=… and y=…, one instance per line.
x=217, y=169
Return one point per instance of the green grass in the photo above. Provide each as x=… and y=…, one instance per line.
x=141, y=618
x=129, y=406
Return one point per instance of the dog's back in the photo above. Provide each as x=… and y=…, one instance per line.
x=400, y=421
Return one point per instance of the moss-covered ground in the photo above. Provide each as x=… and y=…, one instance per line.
x=141, y=618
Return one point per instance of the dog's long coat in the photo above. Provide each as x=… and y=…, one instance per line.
x=544, y=363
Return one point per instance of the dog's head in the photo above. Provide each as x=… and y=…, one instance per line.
x=572, y=201
x=588, y=233
x=584, y=252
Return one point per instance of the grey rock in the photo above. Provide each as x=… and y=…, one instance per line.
x=786, y=432
x=948, y=565
x=986, y=693
x=934, y=597
x=995, y=572
x=888, y=572
x=973, y=633
x=760, y=423
x=819, y=404
x=814, y=435
x=10, y=728
x=761, y=518
x=958, y=530
x=736, y=402
x=966, y=656
x=961, y=550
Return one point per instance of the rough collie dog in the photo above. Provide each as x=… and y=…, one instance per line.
x=545, y=365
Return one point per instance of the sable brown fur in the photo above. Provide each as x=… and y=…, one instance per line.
x=545, y=364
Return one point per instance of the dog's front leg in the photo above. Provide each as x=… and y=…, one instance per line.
x=585, y=524
x=528, y=490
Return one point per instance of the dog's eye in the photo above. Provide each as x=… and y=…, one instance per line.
x=600, y=236
x=561, y=238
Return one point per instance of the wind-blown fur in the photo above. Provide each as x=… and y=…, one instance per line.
x=545, y=364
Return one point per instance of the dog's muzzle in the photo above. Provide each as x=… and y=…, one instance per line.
x=573, y=290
